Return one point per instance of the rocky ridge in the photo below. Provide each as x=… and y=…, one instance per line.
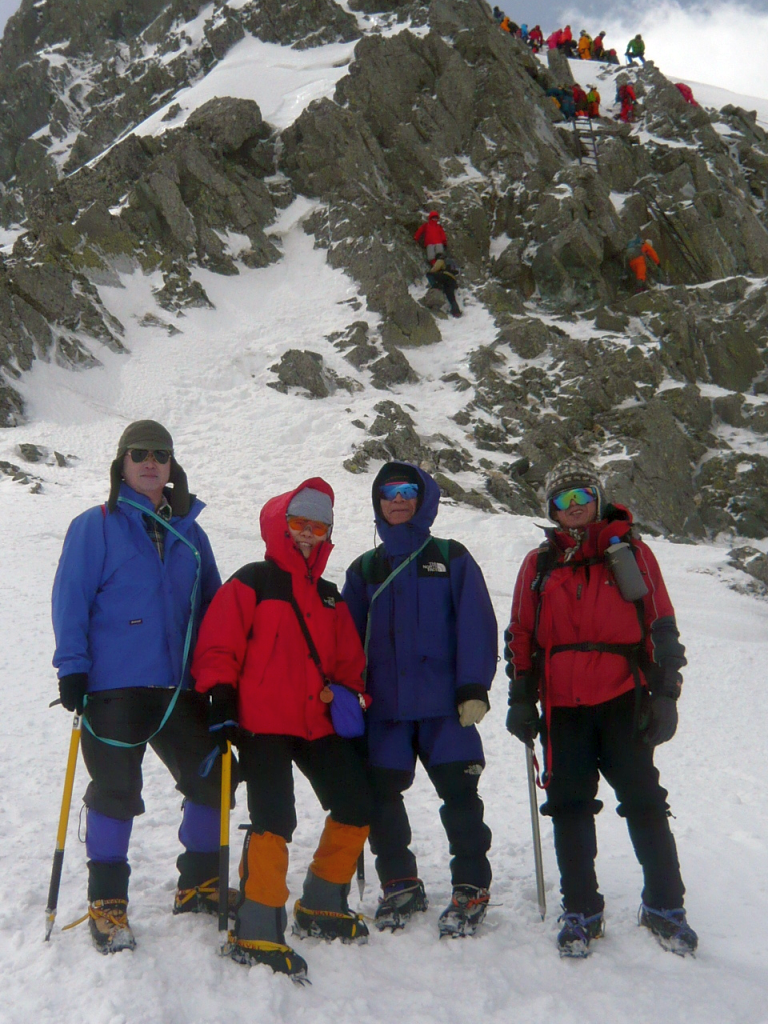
x=667, y=389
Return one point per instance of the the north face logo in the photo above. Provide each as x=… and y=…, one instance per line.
x=329, y=601
x=434, y=567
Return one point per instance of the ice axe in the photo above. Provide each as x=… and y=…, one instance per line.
x=538, y=860
x=361, y=873
x=61, y=835
x=226, y=797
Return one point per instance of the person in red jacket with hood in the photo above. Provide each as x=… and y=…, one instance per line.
x=432, y=236
x=269, y=696
x=606, y=670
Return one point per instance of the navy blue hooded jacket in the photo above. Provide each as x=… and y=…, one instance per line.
x=433, y=641
x=120, y=613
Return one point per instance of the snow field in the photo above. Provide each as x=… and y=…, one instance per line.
x=241, y=442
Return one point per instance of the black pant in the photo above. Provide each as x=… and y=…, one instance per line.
x=331, y=764
x=447, y=285
x=587, y=742
x=131, y=715
x=469, y=837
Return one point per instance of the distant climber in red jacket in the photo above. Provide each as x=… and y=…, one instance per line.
x=686, y=92
x=432, y=236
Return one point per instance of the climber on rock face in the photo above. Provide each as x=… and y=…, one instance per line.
x=580, y=100
x=432, y=236
x=625, y=94
x=638, y=254
x=593, y=102
x=635, y=49
x=686, y=92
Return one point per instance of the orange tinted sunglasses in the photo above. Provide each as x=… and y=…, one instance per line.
x=298, y=524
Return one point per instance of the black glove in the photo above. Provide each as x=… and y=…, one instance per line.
x=223, y=715
x=523, y=722
x=72, y=690
x=662, y=722
x=523, y=715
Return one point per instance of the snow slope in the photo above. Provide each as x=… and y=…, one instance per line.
x=240, y=443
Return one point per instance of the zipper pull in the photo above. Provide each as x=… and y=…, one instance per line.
x=578, y=592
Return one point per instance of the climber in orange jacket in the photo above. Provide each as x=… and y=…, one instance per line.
x=638, y=254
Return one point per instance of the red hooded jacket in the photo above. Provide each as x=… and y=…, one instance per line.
x=579, y=602
x=431, y=232
x=251, y=638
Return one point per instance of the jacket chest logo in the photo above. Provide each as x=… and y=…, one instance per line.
x=433, y=569
x=329, y=601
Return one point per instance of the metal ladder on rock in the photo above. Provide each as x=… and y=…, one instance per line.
x=586, y=137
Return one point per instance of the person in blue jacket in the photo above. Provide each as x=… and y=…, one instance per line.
x=131, y=575
x=423, y=609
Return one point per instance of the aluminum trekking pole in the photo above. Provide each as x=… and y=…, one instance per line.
x=61, y=835
x=226, y=780
x=538, y=860
x=361, y=873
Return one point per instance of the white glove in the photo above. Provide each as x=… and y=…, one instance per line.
x=472, y=712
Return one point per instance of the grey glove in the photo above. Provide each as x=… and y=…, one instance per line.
x=472, y=712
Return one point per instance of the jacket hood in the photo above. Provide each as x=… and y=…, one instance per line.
x=193, y=504
x=406, y=537
x=434, y=215
x=280, y=546
x=595, y=538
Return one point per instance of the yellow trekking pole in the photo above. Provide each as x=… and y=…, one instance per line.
x=61, y=835
x=226, y=790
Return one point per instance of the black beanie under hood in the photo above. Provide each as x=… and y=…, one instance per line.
x=395, y=471
x=151, y=435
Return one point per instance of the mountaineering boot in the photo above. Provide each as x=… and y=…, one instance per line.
x=464, y=913
x=204, y=899
x=281, y=958
x=108, y=906
x=259, y=938
x=323, y=912
x=197, y=891
x=401, y=900
x=108, y=922
x=670, y=928
x=577, y=932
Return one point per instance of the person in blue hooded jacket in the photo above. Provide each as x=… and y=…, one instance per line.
x=131, y=574
x=423, y=609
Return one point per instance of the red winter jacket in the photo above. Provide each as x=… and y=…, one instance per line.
x=431, y=232
x=251, y=638
x=580, y=603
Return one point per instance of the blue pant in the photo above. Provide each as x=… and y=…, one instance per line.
x=453, y=758
x=433, y=740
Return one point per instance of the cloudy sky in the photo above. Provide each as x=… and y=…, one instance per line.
x=719, y=43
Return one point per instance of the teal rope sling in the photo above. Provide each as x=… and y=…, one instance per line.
x=187, y=639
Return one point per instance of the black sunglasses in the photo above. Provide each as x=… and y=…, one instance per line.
x=160, y=455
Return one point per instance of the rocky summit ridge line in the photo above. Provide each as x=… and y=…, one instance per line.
x=667, y=389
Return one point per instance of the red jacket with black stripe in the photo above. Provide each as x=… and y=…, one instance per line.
x=251, y=638
x=579, y=602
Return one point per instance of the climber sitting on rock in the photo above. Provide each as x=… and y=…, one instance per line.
x=638, y=254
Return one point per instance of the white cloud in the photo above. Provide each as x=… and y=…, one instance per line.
x=723, y=45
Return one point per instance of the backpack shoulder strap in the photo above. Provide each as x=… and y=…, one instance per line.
x=444, y=547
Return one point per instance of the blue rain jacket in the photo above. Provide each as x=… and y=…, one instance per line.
x=434, y=640
x=120, y=613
